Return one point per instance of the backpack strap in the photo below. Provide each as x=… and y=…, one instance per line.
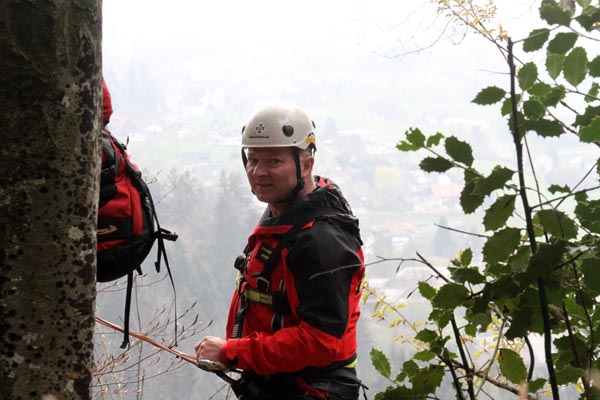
x=162, y=235
x=127, y=311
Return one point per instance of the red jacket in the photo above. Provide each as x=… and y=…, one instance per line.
x=320, y=273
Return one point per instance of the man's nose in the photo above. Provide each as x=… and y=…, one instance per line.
x=260, y=168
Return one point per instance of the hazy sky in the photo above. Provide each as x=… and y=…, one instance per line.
x=280, y=50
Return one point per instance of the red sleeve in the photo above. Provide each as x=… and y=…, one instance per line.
x=268, y=354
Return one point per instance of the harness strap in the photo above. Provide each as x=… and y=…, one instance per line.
x=276, y=300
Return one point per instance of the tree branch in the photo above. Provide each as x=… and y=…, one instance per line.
x=530, y=229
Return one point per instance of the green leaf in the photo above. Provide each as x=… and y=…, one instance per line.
x=427, y=336
x=496, y=180
x=471, y=330
x=519, y=261
x=535, y=40
x=520, y=324
x=441, y=317
x=410, y=368
x=489, y=95
x=554, y=64
x=527, y=75
x=507, y=104
x=424, y=355
x=399, y=393
x=544, y=260
x=558, y=189
x=576, y=66
x=459, y=151
x=499, y=212
x=545, y=127
x=512, y=366
x=557, y=224
x=592, y=94
x=588, y=116
x=520, y=124
x=406, y=146
x=594, y=66
x=465, y=274
x=562, y=42
x=504, y=288
x=590, y=133
x=568, y=375
x=536, y=384
x=381, y=363
x=533, y=109
x=591, y=274
x=426, y=290
x=435, y=164
x=470, y=201
x=556, y=94
x=501, y=245
x=450, y=296
x=589, y=17
x=415, y=136
x=466, y=257
x=426, y=380
x=540, y=89
x=588, y=213
x=554, y=14
x=573, y=308
x=434, y=140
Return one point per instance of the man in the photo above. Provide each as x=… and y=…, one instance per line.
x=292, y=319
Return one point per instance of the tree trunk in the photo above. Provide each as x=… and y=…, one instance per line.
x=50, y=95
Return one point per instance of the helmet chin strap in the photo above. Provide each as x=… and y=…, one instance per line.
x=293, y=196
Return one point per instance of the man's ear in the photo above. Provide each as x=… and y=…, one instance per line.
x=307, y=166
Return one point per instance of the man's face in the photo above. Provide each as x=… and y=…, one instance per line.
x=271, y=173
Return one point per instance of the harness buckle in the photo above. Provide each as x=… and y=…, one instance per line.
x=262, y=283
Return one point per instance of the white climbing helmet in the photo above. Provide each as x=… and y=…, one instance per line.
x=279, y=126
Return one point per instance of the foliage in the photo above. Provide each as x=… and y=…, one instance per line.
x=539, y=269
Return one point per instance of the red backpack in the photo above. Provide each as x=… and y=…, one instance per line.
x=127, y=222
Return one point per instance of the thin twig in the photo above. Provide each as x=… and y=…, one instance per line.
x=460, y=231
x=438, y=273
x=466, y=367
x=493, y=381
x=496, y=349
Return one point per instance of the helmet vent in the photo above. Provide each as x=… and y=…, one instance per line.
x=288, y=130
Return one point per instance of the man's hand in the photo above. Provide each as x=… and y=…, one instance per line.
x=209, y=348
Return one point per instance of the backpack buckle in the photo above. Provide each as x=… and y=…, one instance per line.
x=240, y=262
